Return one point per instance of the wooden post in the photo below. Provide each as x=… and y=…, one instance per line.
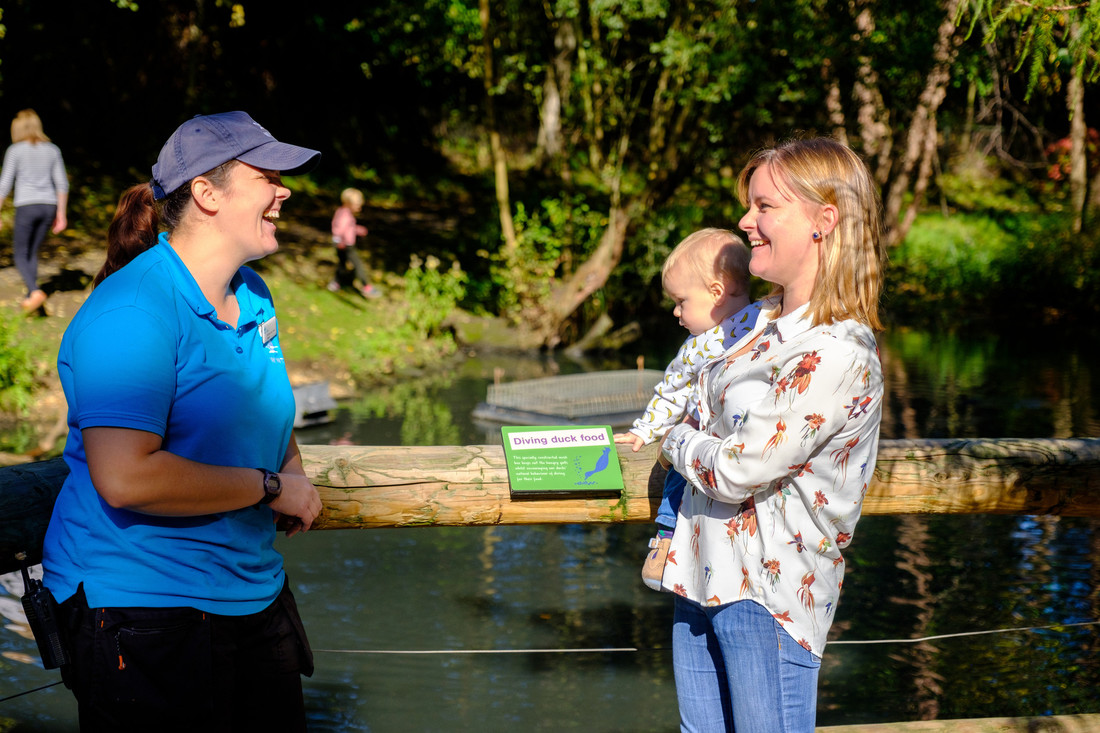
x=407, y=486
x=1087, y=723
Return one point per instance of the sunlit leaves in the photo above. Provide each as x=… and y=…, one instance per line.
x=1042, y=38
x=236, y=17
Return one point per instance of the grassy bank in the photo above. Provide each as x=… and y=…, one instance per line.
x=349, y=340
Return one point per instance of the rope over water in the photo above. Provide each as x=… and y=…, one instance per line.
x=606, y=650
x=603, y=650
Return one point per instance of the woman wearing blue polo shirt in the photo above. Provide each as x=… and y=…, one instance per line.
x=181, y=455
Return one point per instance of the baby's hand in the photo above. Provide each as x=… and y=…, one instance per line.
x=635, y=441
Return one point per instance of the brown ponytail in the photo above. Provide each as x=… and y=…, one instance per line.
x=132, y=231
x=139, y=218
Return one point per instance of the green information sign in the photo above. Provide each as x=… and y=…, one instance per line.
x=561, y=461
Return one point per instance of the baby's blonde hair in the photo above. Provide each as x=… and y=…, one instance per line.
x=351, y=197
x=713, y=255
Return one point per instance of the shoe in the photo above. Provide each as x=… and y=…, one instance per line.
x=654, y=568
x=334, y=287
x=369, y=291
x=34, y=301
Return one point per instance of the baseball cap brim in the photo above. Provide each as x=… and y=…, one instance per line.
x=283, y=157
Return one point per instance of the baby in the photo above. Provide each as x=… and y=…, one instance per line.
x=707, y=278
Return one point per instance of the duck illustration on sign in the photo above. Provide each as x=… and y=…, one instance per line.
x=601, y=464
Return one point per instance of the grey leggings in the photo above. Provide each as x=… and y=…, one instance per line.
x=31, y=224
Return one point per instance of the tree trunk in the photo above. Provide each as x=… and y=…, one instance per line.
x=496, y=148
x=571, y=292
x=556, y=89
x=872, y=115
x=922, y=123
x=1078, y=164
x=924, y=174
x=590, y=93
x=833, y=105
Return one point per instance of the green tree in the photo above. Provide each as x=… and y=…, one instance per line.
x=1053, y=39
x=645, y=90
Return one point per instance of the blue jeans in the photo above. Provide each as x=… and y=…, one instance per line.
x=737, y=669
x=671, y=497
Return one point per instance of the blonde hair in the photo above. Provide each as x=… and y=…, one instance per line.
x=713, y=255
x=351, y=197
x=852, y=259
x=27, y=126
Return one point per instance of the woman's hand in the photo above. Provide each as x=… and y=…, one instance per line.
x=299, y=502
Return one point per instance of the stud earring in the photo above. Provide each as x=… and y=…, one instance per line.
x=817, y=235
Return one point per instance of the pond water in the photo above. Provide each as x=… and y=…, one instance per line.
x=550, y=627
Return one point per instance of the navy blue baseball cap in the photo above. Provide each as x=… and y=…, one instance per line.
x=204, y=142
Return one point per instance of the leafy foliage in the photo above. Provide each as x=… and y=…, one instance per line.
x=1049, y=33
x=978, y=184
x=431, y=294
x=970, y=269
x=660, y=103
x=547, y=238
x=19, y=372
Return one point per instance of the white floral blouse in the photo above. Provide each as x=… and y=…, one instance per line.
x=675, y=395
x=779, y=467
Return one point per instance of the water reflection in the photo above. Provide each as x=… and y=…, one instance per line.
x=469, y=602
x=942, y=385
x=532, y=627
x=971, y=574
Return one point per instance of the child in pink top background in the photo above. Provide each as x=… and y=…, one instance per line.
x=345, y=229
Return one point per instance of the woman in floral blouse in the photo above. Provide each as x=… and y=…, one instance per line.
x=785, y=448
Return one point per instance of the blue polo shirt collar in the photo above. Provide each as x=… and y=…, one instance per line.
x=253, y=310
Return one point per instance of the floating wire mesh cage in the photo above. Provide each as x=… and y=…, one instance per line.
x=613, y=397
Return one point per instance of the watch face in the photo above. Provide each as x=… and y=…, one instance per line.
x=273, y=486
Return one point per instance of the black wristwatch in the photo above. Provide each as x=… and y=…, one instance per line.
x=273, y=486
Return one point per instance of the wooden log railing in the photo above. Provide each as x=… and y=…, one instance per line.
x=368, y=486
x=406, y=486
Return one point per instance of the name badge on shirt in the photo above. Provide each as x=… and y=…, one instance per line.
x=268, y=330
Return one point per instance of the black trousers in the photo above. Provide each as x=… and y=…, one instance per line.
x=32, y=222
x=180, y=669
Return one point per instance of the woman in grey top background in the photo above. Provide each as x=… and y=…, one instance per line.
x=33, y=166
